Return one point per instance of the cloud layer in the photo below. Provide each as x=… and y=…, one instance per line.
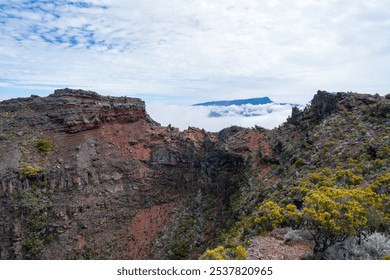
x=191, y=51
x=268, y=116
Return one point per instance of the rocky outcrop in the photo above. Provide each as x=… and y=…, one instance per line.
x=75, y=110
x=326, y=103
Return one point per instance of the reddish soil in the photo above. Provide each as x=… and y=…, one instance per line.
x=143, y=229
x=274, y=247
x=255, y=138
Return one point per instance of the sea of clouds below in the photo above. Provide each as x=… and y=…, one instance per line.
x=267, y=116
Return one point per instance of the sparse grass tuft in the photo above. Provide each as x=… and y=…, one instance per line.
x=45, y=146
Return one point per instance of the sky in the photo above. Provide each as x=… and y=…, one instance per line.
x=180, y=52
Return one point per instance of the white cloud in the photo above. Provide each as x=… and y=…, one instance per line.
x=198, y=116
x=5, y=97
x=199, y=49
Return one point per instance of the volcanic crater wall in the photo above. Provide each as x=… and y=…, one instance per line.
x=88, y=176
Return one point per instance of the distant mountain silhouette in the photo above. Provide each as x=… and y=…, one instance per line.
x=253, y=101
x=251, y=107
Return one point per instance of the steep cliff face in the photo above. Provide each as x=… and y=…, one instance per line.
x=88, y=176
x=74, y=111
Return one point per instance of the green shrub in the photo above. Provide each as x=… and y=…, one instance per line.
x=30, y=171
x=215, y=254
x=34, y=203
x=240, y=253
x=222, y=253
x=270, y=216
x=45, y=146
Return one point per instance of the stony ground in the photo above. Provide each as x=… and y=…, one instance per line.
x=276, y=247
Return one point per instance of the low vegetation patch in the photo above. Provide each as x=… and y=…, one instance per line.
x=30, y=171
x=45, y=146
